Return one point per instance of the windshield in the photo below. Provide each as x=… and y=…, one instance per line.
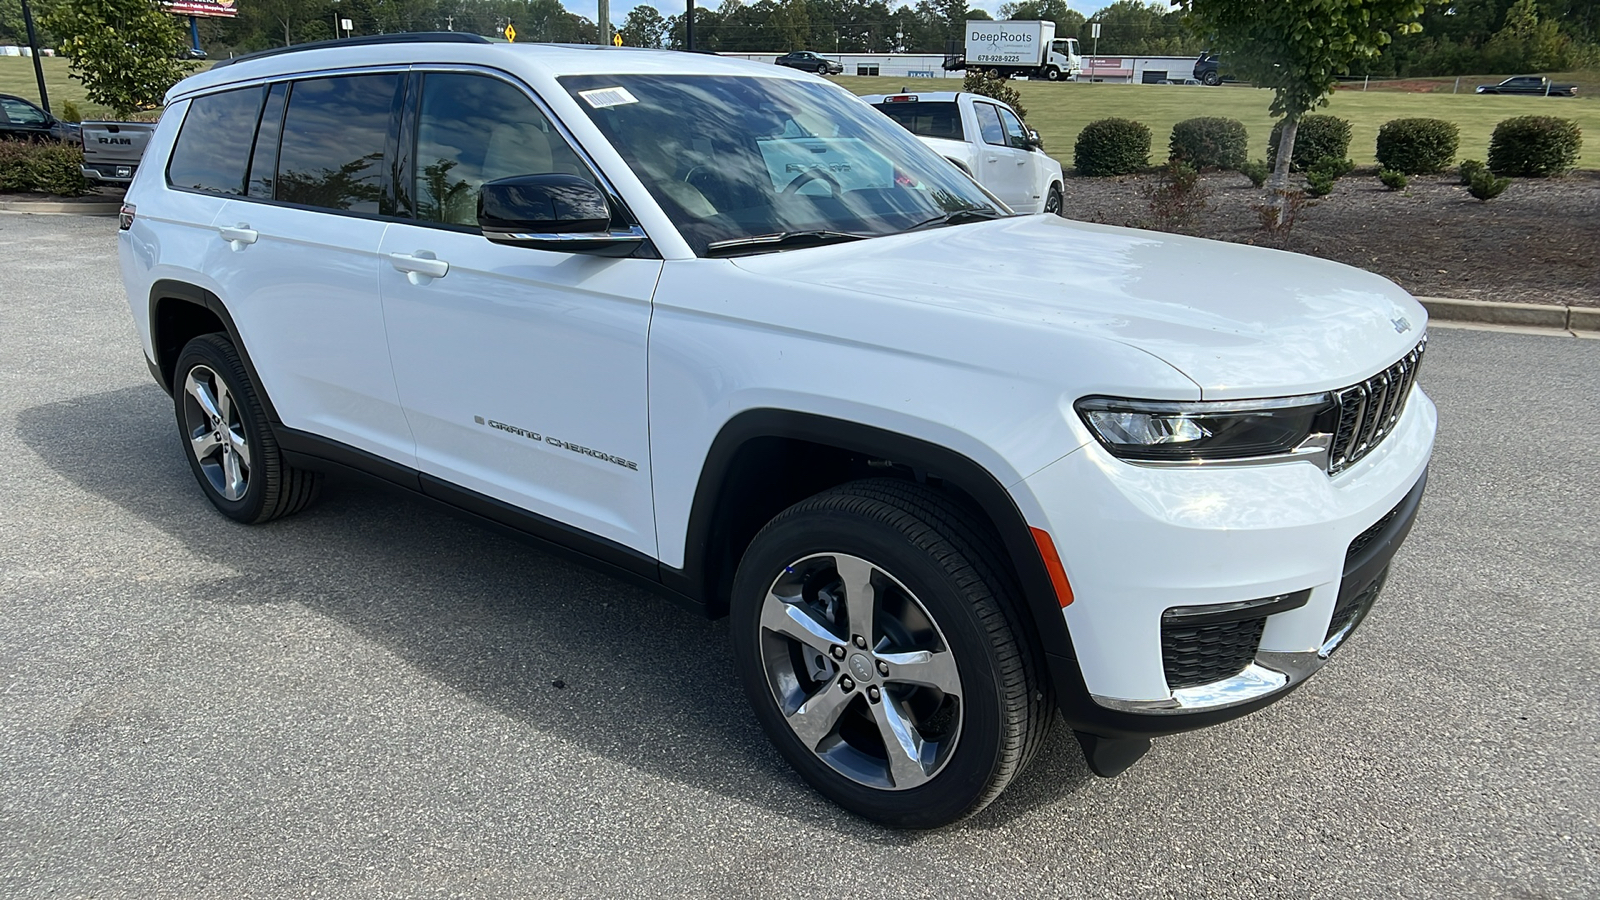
x=730, y=157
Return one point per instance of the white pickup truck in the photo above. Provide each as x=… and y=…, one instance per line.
x=986, y=139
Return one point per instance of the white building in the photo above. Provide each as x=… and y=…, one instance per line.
x=1116, y=69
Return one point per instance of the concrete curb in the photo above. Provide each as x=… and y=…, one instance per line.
x=1525, y=315
x=62, y=207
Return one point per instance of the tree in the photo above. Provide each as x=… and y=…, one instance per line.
x=1297, y=48
x=644, y=27
x=124, y=51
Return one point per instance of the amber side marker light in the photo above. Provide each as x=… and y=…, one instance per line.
x=1052, y=564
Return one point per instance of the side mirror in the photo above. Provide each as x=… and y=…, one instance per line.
x=1034, y=141
x=552, y=212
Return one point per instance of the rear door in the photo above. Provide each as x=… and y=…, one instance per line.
x=298, y=260
x=1002, y=168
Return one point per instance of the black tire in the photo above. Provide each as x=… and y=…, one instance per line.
x=257, y=485
x=1211, y=79
x=1053, y=203
x=1051, y=73
x=919, y=543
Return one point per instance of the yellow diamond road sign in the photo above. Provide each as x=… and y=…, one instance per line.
x=511, y=32
x=617, y=39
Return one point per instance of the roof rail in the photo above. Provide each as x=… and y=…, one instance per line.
x=411, y=37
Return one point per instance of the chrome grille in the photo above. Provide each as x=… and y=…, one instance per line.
x=1369, y=410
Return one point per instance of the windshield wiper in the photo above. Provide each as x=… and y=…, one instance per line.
x=781, y=239
x=961, y=216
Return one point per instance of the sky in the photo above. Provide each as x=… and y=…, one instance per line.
x=619, y=8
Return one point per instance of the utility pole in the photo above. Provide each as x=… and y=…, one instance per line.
x=605, y=23
x=688, y=28
x=33, y=47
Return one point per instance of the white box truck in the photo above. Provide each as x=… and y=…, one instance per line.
x=1017, y=47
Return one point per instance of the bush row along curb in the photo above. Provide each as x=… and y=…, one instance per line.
x=1533, y=315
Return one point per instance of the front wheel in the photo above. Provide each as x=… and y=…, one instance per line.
x=877, y=639
x=1051, y=73
x=1052, y=201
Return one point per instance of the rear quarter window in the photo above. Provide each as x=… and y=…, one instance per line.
x=213, y=147
x=934, y=120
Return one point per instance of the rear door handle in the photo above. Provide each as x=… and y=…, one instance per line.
x=238, y=235
x=417, y=266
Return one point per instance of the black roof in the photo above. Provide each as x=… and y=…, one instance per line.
x=412, y=37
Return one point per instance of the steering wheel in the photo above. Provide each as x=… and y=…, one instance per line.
x=807, y=176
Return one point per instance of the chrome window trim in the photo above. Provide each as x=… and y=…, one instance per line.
x=631, y=233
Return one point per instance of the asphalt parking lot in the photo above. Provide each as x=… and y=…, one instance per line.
x=363, y=700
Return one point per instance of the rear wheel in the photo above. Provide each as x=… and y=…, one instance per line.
x=876, y=637
x=1211, y=79
x=227, y=439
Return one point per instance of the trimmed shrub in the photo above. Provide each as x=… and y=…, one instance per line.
x=42, y=168
x=1318, y=136
x=1209, y=142
x=1322, y=176
x=1535, y=147
x=1112, y=147
x=1417, y=146
x=1256, y=171
x=980, y=82
x=70, y=112
x=1469, y=168
x=1485, y=186
x=1392, y=179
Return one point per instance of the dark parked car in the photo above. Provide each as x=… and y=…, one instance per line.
x=20, y=119
x=1530, y=84
x=1208, y=69
x=806, y=61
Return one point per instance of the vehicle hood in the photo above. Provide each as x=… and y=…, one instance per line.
x=1239, y=321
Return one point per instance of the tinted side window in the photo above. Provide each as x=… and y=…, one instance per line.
x=1016, y=136
x=214, y=144
x=989, y=124
x=472, y=129
x=264, y=159
x=333, y=138
x=21, y=113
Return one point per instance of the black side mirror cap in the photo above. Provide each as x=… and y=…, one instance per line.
x=553, y=211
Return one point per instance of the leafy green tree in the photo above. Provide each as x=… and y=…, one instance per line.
x=644, y=27
x=124, y=51
x=1298, y=48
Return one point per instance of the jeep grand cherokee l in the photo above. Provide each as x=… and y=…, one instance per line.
x=725, y=330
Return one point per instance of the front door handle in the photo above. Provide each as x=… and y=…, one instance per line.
x=239, y=235
x=420, y=266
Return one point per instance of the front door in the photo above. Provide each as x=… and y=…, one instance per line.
x=1002, y=168
x=522, y=371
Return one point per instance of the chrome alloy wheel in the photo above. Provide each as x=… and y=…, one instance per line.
x=215, y=433
x=860, y=671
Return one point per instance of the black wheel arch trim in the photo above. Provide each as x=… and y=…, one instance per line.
x=1043, y=609
x=171, y=289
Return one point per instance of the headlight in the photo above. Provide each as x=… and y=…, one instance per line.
x=1179, y=431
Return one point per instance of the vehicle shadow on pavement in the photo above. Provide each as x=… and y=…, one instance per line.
x=547, y=643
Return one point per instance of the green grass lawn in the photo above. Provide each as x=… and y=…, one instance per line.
x=1060, y=110
x=16, y=77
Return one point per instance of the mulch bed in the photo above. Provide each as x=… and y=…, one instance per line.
x=1539, y=242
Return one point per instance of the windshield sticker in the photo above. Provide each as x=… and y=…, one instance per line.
x=600, y=98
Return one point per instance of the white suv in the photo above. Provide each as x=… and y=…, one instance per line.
x=725, y=330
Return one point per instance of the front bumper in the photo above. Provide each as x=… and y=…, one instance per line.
x=1138, y=542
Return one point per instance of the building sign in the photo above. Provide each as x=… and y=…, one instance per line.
x=218, y=9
